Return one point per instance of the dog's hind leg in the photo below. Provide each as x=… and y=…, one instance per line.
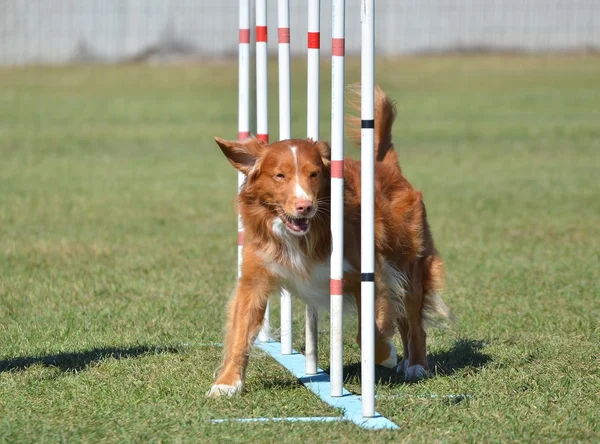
x=414, y=365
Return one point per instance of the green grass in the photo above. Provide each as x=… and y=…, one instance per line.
x=117, y=253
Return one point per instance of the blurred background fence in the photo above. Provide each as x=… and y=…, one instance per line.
x=62, y=31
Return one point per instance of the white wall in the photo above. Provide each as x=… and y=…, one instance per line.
x=59, y=31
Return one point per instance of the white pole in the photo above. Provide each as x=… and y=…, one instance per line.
x=283, y=33
x=312, y=131
x=311, y=345
x=337, y=197
x=262, y=125
x=243, y=101
x=367, y=240
x=314, y=45
x=262, y=128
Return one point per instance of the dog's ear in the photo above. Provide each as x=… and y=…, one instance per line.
x=325, y=151
x=242, y=155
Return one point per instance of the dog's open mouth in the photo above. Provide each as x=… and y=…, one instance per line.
x=297, y=225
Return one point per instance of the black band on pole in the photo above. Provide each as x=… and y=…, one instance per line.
x=366, y=124
x=367, y=277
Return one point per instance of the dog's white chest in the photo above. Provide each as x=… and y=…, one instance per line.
x=312, y=289
x=303, y=278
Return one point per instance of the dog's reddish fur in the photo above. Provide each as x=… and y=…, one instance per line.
x=409, y=272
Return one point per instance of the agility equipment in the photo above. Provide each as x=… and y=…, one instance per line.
x=330, y=388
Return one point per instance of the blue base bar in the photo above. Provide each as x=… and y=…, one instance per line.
x=290, y=419
x=427, y=396
x=320, y=385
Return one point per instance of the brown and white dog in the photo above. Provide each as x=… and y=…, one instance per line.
x=284, y=205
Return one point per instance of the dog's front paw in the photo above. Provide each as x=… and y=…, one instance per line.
x=392, y=359
x=218, y=390
x=415, y=373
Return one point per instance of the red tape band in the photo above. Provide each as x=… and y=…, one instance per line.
x=337, y=169
x=261, y=33
x=244, y=35
x=338, y=47
x=284, y=35
x=314, y=40
x=336, y=287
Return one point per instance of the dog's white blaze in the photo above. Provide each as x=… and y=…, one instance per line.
x=300, y=193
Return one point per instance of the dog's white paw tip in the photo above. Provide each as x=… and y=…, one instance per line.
x=392, y=360
x=218, y=390
x=415, y=373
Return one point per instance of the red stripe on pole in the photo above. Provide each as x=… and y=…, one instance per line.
x=263, y=137
x=261, y=33
x=338, y=47
x=336, y=287
x=243, y=135
x=314, y=40
x=337, y=169
x=284, y=35
x=244, y=35
x=240, y=238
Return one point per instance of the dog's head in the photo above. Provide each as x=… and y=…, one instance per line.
x=286, y=178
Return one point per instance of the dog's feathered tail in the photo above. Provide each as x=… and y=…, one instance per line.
x=385, y=114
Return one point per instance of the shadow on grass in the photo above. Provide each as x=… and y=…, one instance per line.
x=78, y=361
x=465, y=353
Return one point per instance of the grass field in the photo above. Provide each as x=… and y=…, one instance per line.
x=117, y=253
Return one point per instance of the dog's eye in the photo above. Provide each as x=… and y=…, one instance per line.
x=280, y=176
x=314, y=174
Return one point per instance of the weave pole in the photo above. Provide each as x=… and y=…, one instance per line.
x=262, y=125
x=367, y=212
x=283, y=35
x=243, y=102
x=337, y=198
x=312, y=132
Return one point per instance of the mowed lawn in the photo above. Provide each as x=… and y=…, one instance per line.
x=118, y=253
